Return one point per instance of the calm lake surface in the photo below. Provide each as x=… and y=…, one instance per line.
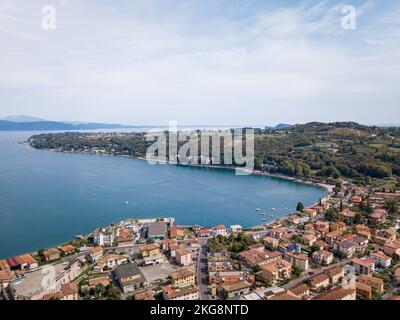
x=47, y=198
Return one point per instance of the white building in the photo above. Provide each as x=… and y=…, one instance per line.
x=236, y=228
x=220, y=230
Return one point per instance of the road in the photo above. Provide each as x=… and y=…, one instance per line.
x=201, y=270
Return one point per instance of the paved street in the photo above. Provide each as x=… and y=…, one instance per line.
x=202, y=272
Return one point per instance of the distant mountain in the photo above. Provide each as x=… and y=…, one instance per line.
x=282, y=126
x=22, y=118
x=54, y=126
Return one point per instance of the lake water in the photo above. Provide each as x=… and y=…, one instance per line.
x=47, y=198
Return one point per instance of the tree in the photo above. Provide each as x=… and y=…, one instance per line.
x=100, y=290
x=300, y=207
x=358, y=218
x=297, y=272
x=393, y=207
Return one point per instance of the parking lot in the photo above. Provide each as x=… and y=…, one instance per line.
x=161, y=271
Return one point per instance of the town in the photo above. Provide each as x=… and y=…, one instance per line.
x=346, y=247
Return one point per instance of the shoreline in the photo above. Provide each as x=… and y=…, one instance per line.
x=327, y=187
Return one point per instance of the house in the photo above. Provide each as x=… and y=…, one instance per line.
x=220, y=230
x=51, y=254
x=95, y=254
x=363, y=290
x=204, y=232
x=183, y=257
x=377, y=217
x=340, y=226
x=176, y=232
x=309, y=240
x=312, y=213
x=256, y=257
x=345, y=247
x=322, y=245
x=392, y=248
x=129, y=277
x=347, y=216
x=322, y=226
x=276, y=271
x=363, y=231
x=235, y=290
x=301, y=290
x=356, y=200
x=109, y=262
x=166, y=244
x=67, y=249
x=381, y=259
x=149, y=250
x=337, y=293
x=276, y=233
x=335, y=274
x=271, y=243
x=297, y=260
x=373, y=282
x=68, y=292
x=124, y=241
x=183, y=278
x=323, y=257
x=361, y=243
x=23, y=262
x=172, y=293
x=236, y=228
x=389, y=234
x=332, y=236
x=363, y=266
x=5, y=274
x=319, y=282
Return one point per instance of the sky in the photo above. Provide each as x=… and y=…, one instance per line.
x=201, y=62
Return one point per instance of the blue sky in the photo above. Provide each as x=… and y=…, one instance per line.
x=201, y=62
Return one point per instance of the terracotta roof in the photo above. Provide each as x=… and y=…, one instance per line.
x=285, y=296
x=236, y=286
x=181, y=274
x=363, y=287
x=149, y=247
x=67, y=248
x=338, y=293
x=172, y=293
x=51, y=251
x=95, y=250
x=145, y=295
x=319, y=278
x=20, y=260
x=69, y=289
x=300, y=290
x=4, y=265
x=365, y=262
x=220, y=227
x=5, y=275
x=334, y=271
x=380, y=255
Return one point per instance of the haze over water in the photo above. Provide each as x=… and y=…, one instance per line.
x=46, y=198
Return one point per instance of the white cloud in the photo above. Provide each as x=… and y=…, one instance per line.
x=131, y=64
